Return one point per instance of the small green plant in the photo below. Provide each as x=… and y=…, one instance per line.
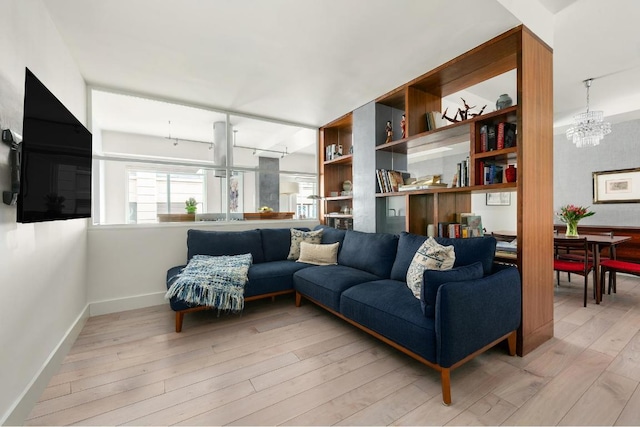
x=191, y=205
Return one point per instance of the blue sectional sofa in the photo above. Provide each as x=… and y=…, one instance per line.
x=450, y=324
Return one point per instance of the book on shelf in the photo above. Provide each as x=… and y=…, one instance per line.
x=415, y=186
x=510, y=135
x=474, y=222
x=491, y=137
x=389, y=181
x=493, y=173
x=443, y=229
x=434, y=120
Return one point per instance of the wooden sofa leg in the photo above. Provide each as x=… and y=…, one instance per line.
x=179, y=318
x=511, y=340
x=445, y=380
x=298, y=299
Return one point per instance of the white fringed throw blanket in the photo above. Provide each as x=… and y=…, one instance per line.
x=213, y=281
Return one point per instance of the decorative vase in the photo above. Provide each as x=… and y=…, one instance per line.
x=572, y=229
x=347, y=185
x=503, y=101
x=511, y=173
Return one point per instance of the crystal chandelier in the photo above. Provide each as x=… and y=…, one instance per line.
x=588, y=128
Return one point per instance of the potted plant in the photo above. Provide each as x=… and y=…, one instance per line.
x=191, y=205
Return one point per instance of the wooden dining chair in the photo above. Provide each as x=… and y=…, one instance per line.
x=578, y=256
x=582, y=266
x=613, y=266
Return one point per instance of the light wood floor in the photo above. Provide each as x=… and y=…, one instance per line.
x=281, y=365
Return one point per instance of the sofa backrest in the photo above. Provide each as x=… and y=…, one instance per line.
x=331, y=235
x=371, y=252
x=216, y=243
x=276, y=243
x=468, y=251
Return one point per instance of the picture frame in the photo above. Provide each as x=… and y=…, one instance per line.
x=499, y=199
x=616, y=186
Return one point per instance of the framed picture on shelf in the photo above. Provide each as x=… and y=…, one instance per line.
x=499, y=199
x=617, y=186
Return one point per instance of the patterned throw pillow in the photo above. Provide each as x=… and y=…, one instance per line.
x=432, y=256
x=319, y=254
x=214, y=281
x=298, y=236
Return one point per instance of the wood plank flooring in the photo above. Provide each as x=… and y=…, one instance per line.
x=281, y=365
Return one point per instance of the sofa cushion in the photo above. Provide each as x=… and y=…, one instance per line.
x=408, y=244
x=298, y=236
x=274, y=276
x=468, y=251
x=430, y=256
x=331, y=235
x=370, y=252
x=319, y=254
x=324, y=284
x=389, y=308
x=217, y=243
x=433, y=279
x=473, y=249
x=276, y=243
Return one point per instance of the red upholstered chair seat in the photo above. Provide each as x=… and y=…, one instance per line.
x=571, y=266
x=614, y=266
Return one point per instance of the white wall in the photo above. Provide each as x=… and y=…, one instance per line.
x=42, y=266
x=128, y=264
x=573, y=168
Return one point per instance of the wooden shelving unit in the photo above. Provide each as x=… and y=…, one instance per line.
x=334, y=172
x=520, y=50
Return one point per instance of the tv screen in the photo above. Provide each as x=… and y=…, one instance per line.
x=55, y=178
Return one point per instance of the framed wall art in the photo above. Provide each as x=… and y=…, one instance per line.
x=499, y=199
x=617, y=186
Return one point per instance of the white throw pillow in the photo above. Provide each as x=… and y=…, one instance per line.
x=298, y=236
x=319, y=254
x=432, y=256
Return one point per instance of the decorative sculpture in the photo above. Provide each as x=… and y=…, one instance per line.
x=403, y=125
x=464, y=115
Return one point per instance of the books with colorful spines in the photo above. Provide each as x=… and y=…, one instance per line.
x=454, y=230
x=510, y=135
x=491, y=137
x=484, y=146
x=396, y=179
x=379, y=181
x=443, y=229
x=475, y=226
x=500, y=136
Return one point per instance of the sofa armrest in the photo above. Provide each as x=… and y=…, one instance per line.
x=472, y=314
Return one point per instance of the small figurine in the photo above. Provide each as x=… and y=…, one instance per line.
x=389, y=130
x=403, y=125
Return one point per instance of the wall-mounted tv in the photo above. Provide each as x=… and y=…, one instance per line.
x=55, y=177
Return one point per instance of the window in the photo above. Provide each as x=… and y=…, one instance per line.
x=151, y=156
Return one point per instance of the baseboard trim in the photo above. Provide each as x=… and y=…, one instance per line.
x=29, y=397
x=128, y=303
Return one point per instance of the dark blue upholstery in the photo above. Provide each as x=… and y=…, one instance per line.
x=276, y=243
x=371, y=252
x=325, y=283
x=472, y=314
x=174, y=303
x=331, y=235
x=274, y=276
x=433, y=279
x=468, y=251
x=473, y=249
x=216, y=243
x=408, y=245
x=389, y=308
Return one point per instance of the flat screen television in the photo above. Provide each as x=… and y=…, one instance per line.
x=55, y=175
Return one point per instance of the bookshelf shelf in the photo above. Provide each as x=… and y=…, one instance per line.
x=517, y=49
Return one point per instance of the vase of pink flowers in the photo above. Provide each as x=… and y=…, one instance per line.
x=571, y=215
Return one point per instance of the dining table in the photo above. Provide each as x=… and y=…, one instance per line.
x=598, y=242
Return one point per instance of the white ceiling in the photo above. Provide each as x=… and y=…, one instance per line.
x=311, y=61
